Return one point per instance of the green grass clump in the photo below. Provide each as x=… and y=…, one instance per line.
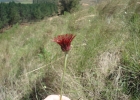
x=130, y=56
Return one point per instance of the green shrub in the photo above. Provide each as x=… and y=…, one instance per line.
x=12, y=13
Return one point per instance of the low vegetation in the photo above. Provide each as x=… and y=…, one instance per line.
x=103, y=63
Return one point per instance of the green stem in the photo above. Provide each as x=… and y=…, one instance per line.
x=62, y=81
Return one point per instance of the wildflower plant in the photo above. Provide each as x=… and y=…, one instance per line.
x=65, y=42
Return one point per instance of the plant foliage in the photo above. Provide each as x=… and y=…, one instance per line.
x=12, y=13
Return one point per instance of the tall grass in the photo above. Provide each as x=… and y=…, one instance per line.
x=103, y=62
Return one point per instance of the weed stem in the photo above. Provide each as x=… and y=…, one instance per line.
x=62, y=81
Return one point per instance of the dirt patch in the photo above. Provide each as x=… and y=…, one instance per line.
x=85, y=4
x=84, y=18
x=51, y=18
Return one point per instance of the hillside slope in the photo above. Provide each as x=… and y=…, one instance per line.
x=103, y=63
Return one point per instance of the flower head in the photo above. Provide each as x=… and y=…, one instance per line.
x=64, y=41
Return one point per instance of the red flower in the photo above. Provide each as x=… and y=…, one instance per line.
x=64, y=41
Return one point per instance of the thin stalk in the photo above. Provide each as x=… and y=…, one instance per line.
x=62, y=81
